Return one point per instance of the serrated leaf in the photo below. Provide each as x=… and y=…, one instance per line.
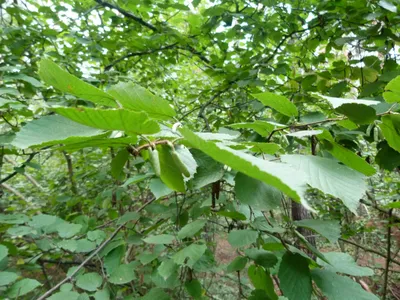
x=294, y=276
x=238, y=264
x=241, y=238
x=110, y=119
x=160, y=239
x=327, y=228
x=7, y=277
x=191, y=229
x=277, y=102
x=336, y=102
x=358, y=113
x=337, y=287
x=135, y=97
x=262, y=257
x=22, y=287
x=190, y=254
x=256, y=193
x=89, y=281
x=51, y=130
x=330, y=177
x=53, y=75
x=344, y=263
x=278, y=175
x=390, y=127
x=123, y=274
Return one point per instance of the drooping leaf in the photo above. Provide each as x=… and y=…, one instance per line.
x=238, y=264
x=241, y=238
x=344, y=263
x=110, y=119
x=135, y=97
x=22, y=287
x=191, y=229
x=123, y=274
x=186, y=157
x=390, y=127
x=358, y=113
x=89, y=281
x=327, y=228
x=255, y=193
x=277, y=102
x=261, y=280
x=170, y=173
x=190, y=254
x=295, y=278
x=160, y=239
x=167, y=268
x=337, y=287
x=53, y=75
x=118, y=163
x=51, y=130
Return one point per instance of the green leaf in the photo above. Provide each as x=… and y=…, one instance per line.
x=167, y=268
x=51, y=130
x=231, y=214
x=337, y=287
x=191, y=229
x=336, y=102
x=238, y=264
x=170, y=173
x=160, y=239
x=136, y=179
x=21, y=230
x=129, y=216
x=13, y=218
x=137, y=98
x=113, y=259
x=278, y=175
x=330, y=177
x=159, y=189
x=89, y=281
x=118, y=163
x=208, y=170
x=262, y=257
x=53, y=75
x=123, y=274
x=7, y=277
x=111, y=119
x=261, y=280
x=277, y=102
x=69, y=245
x=22, y=287
x=42, y=220
x=393, y=205
x=390, y=127
x=358, y=113
x=3, y=252
x=67, y=230
x=387, y=158
x=327, y=228
x=268, y=148
x=101, y=142
x=294, y=276
x=194, y=288
x=156, y=293
x=102, y=295
x=187, y=159
x=84, y=246
x=255, y=193
x=70, y=295
x=190, y=254
x=344, y=263
x=304, y=133
x=241, y=238
x=345, y=155
x=263, y=128
x=392, y=91
x=96, y=236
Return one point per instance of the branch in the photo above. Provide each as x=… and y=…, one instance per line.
x=23, y=165
x=93, y=254
x=29, y=177
x=388, y=255
x=14, y=191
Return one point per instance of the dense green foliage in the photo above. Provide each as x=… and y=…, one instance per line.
x=139, y=136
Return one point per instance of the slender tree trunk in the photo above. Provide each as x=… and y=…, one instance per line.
x=70, y=172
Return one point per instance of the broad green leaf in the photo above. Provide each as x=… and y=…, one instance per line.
x=22, y=287
x=160, y=239
x=113, y=259
x=345, y=155
x=13, y=218
x=238, y=264
x=67, y=230
x=136, y=179
x=42, y=220
x=294, y=276
x=70, y=295
x=263, y=128
x=208, y=170
x=7, y=277
x=190, y=254
x=118, y=163
x=232, y=215
x=89, y=281
x=309, y=246
x=101, y=142
x=268, y=148
x=3, y=252
x=102, y=295
x=51, y=130
x=159, y=189
x=344, y=263
x=84, y=246
x=187, y=159
x=336, y=287
x=129, y=216
x=387, y=158
x=304, y=133
x=191, y=229
x=53, y=75
x=277, y=102
x=262, y=257
x=392, y=91
x=255, y=193
x=261, y=280
x=327, y=228
x=135, y=97
x=390, y=127
x=110, y=119
x=336, y=102
x=393, y=205
x=167, y=268
x=330, y=177
x=241, y=238
x=123, y=274
x=156, y=293
x=358, y=113
x=66, y=287
x=21, y=230
x=96, y=236
x=278, y=175
x=170, y=173
x=194, y=288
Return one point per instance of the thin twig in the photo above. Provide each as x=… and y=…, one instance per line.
x=388, y=255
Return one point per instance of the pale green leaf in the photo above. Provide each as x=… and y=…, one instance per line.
x=158, y=188
x=89, y=281
x=344, y=263
x=167, y=268
x=277, y=102
x=42, y=220
x=129, y=216
x=102, y=295
x=7, y=277
x=392, y=91
x=191, y=229
x=263, y=128
x=304, y=133
x=336, y=102
x=64, y=295
x=22, y=287
x=327, y=228
x=190, y=254
x=187, y=159
x=123, y=274
x=110, y=119
x=268, y=148
x=67, y=230
x=3, y=252
x=160, y=239
x=13, y=218
x=208, y=170
x=241, y=238
x=60, y=79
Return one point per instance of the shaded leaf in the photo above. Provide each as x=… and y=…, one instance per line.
x=344, y=263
